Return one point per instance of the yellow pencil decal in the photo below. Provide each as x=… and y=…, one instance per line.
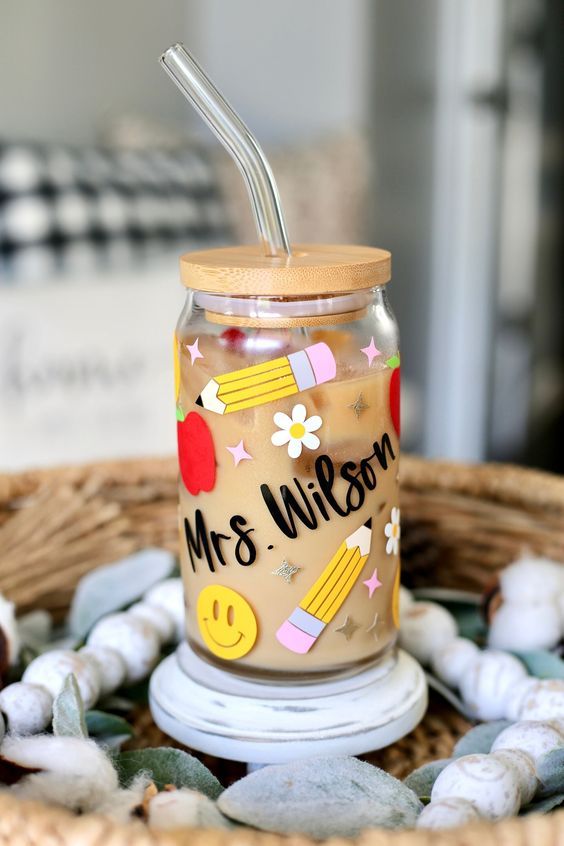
x=269, y=381
x=323, y=600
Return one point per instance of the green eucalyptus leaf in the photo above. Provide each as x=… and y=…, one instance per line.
x=543, y=806
x=422, y=779
x=542, y=664
x=100, y=724
x=550, y=771
x=321, y=797
x=114, y=586
x=480, y=738
x=167, y=766
x=68, y=711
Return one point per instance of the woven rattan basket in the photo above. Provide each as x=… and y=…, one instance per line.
x=460, y=524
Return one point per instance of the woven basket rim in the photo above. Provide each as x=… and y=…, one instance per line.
x=507, y=482
x=47, y=824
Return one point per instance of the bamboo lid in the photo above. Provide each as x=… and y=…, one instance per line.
x=311, y=269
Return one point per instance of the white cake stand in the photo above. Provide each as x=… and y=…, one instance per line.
x=223, y=715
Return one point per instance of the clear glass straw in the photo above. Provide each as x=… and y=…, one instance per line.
x=238, y=140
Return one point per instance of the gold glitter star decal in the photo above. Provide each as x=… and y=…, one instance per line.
x=358, y=406
x=374, y=626
x=287, y=571
x=348, y=628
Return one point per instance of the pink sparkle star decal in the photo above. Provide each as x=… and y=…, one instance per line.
x=239, y=453
x=370, y=351
x=372, y=583
x=194, y=351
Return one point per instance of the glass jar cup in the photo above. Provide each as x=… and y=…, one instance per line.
x=287, y=392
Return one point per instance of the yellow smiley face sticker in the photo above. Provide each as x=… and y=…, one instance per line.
x=227, y=622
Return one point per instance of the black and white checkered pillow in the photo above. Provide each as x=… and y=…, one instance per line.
x=64, y=209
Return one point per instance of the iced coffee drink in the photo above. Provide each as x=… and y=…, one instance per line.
x=288, y=434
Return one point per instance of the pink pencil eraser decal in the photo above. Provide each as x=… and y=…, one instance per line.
x=294, y=639
x=322, y=362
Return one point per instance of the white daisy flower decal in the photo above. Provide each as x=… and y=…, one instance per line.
x=393, y=532
x=297, y=430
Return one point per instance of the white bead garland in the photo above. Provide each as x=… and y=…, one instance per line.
x=491, y=785
x=495, y=685
x=425, y=628
x=487, y=682
x=534, y=738
x=109, y=664
x=496, y=784
x=543, y=701
x=158, y=617
x=28, y=708
x=447, y=813
x=136, y=640
x=50, y=670
x=121, y=648
x=169, y=594
x=450, y=662
x=525, y=767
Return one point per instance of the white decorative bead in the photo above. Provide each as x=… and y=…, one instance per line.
x=530, y=736
x=489, y=784
x=136, y=641
x=525, y=769
x=450, y=662
x=109, y=664
x=184, y=808
x=543, y=701
x=531, y=580
x=28, y=708
x=447, y=813
x=485, y=685
x=516, y=696
x=425, y=627
x=522, y=626
x=10, y=628
x=406, y=600
x=169, y=594
x=50, y=670
x=157, y=616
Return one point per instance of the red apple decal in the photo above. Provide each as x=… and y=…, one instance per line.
x=233, y=339
x=394, y=362
x=196, y=453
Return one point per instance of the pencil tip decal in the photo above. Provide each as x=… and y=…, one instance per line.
x=199, y=402
x=368, y=523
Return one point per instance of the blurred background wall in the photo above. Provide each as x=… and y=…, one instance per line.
x=431, y=128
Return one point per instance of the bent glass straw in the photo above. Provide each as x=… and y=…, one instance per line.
x=238, y=140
